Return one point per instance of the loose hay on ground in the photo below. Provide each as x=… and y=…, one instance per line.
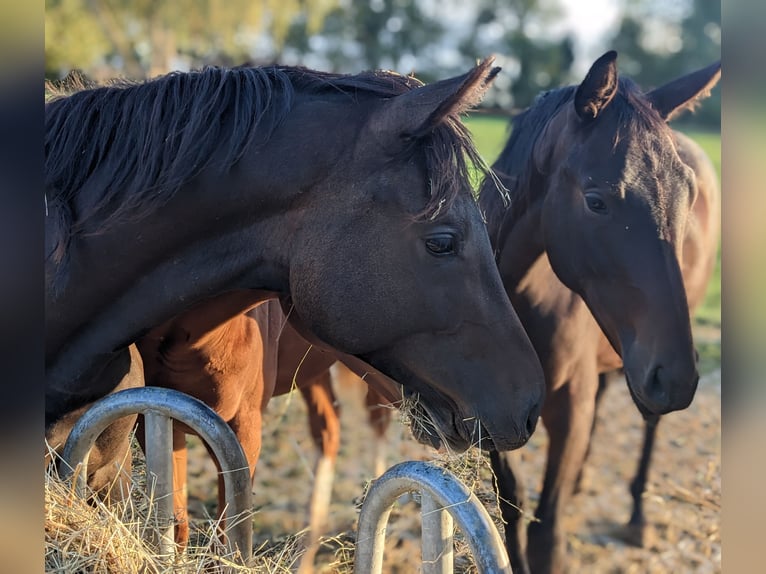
x=84, y=537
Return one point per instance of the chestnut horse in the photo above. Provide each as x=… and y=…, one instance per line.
x=185, y=200
x=235, y=369
x=610, y=237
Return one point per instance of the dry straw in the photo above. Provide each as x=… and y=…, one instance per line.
x=90, y=536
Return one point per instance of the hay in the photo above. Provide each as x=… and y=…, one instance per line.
x=83, y=537
x=90, y=536
x=471, y=467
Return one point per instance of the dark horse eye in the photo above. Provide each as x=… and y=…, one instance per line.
x=595, y=203
x=442, y=244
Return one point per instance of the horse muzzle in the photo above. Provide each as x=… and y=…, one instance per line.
x=663, y=390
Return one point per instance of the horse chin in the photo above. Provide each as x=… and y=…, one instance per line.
x=446, y=432
x=429, y=428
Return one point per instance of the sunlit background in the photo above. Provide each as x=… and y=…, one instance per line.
x=540, y=43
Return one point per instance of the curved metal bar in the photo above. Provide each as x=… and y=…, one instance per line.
x=446, y=490
x=194, y=413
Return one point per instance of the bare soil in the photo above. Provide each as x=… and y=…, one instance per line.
x=682, y=502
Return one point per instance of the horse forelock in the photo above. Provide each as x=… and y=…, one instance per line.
x=452, y=162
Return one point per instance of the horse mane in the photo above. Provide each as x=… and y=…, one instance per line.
x=142, y=141
x=516, y=166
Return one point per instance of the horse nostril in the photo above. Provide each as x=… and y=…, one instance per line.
x=531, y=424
x=654, y=385
x=532, y=420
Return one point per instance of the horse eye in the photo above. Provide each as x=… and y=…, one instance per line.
x=442, y=244
x=595, y=203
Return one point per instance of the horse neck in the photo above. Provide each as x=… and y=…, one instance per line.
x=175, y=268
x=520, y=244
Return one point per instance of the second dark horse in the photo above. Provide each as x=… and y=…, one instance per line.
x=610, y=237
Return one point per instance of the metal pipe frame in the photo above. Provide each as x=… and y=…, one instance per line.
x=445, y=491
x=159, y=406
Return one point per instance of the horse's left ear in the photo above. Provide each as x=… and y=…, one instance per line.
x=684, y=92
x=416, y=113
x=598, y=88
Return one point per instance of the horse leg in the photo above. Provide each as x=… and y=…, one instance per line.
x=637, y=524
x=324, y=422
x=112, y=482
x=379, y=416
x=512, y=502
x=180, y=488
x=247, y=425
x=109, y=461
x=568, y=417
x=603, y=379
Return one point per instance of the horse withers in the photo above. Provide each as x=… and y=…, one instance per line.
x=611, y=234
x=345, y=196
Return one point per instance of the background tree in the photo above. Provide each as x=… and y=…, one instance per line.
x=144, y=38
x=658, y=41
x=536, y=57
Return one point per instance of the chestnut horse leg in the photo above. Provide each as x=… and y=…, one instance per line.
x=509, y=486
x=180, y=488
x=111, y=453
x=324, y=422
x=378, y=412
x=247, y=424
x=379, y=416
x=636, y=526
x=568, y=416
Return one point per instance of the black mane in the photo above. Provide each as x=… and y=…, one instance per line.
x=155, y=136
x=149, y=139
x=515, y=165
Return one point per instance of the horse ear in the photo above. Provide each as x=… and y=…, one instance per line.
x=598, y=88
x=685, y=92
x=416, y=113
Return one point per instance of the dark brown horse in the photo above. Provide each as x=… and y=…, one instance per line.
x=610, y=236
x=185, y=200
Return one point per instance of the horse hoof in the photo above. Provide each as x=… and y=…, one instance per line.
x=638, y=535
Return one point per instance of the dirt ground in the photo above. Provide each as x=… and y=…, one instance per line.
x=682, y=505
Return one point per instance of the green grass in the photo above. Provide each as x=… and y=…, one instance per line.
x=491, y=133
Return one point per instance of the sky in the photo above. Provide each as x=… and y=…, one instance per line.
x=590, y=20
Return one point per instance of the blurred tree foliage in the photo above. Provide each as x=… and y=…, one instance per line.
x=143, y=38
x=658, y=41
x=437, y=38
x=520, y=30
x=387, y=34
